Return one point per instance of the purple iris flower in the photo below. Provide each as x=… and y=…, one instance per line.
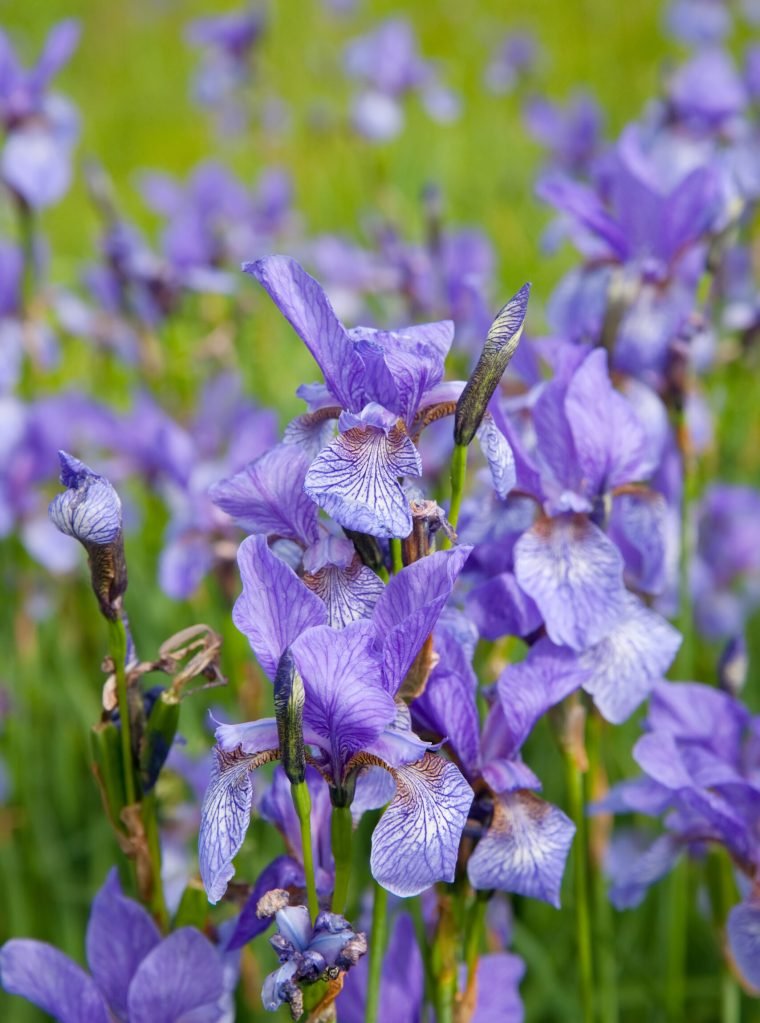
x=699, y=22
x=307, y=952
x=571, y=134
x=89, y=509
x=701, y=771
x=726, y=570
x=513, y=60
x=352, y=721
x=135, y=975
x=376, y=384
x=388, y=63
x=522, y=841
x=41, y=128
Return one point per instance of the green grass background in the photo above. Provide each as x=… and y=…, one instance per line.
x=131, y=79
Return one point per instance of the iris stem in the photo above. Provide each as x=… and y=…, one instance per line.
x=397, y=561
x=474, y=935
x=458, y=472
x=118, y=650
x=730, y=994
x=576, y=787
x=302, y=803
x=341, y=834
x=378, y=939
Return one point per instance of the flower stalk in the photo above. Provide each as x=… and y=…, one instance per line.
x=302, y=804
x=341, y=834
x=378, y=939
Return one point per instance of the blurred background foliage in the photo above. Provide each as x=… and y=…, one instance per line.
x=130, y=78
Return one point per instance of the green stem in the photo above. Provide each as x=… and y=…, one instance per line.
x=458, y=471
x=474, y=934
x=675, y=990
x=377, y=944
x=604, y=929
x=341, y=833
x=730, y=995
x=575, y=783
x=118, y=649
x=156, y=900
x=302, y=803
x=397, y=561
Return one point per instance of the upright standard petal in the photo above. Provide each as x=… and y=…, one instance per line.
x=622, y=670
x=524, y=849
x=307, y=309
x=410, y=605
x=178, y=980
x=268, y=496
x=120, y=934
x=416, y=840
x=225, y=816
x=574, y=573
x=610, y=441
x=356, y=477
x=275, y=606
x=346, y=704
x=529, y=688
x=50, y=980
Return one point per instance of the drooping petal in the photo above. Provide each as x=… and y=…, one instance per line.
x=610, y=441
x=524, y=849
x=334, y=571
x=622, y=670
x=574, y=573
x=268, y=496
x=180, y=978
x=499, y=455
x=346, y=704
x=355, y=478
x=743, y=929
x=50, y=980
x=120, y=933
x=307, y=309
x=529, y=688
x=275, y=606
x=225, y=816
x=416, y=840
x=638, y=526
x=410, y=605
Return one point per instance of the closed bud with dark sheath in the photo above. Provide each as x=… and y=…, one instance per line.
x=289, y=697
x=500, y=345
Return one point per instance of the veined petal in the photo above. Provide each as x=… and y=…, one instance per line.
x=638, y=527
x=416, y=840
x=743, y=929
x=50, y=980
x=525, y=848
x=268, y=496
x=307, y=309
x=409, y=607
x=89, y=509
x=225, y=816
x=574, y=573
x=500, y=608
x=120, y=933
x=623, y=669
x=529, y=688
x=179, y=978
x=275, y=606
x=348, y=588
x=346, y=704
x=499, y=455
x=355, y=478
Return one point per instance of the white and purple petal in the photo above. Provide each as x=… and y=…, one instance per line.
x=356, y=477
x=525, y=848
x=334, y=571
x=574, y=573
x=416, y=840
x=498, y=454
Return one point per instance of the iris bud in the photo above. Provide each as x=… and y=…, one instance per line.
x=500, y=345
